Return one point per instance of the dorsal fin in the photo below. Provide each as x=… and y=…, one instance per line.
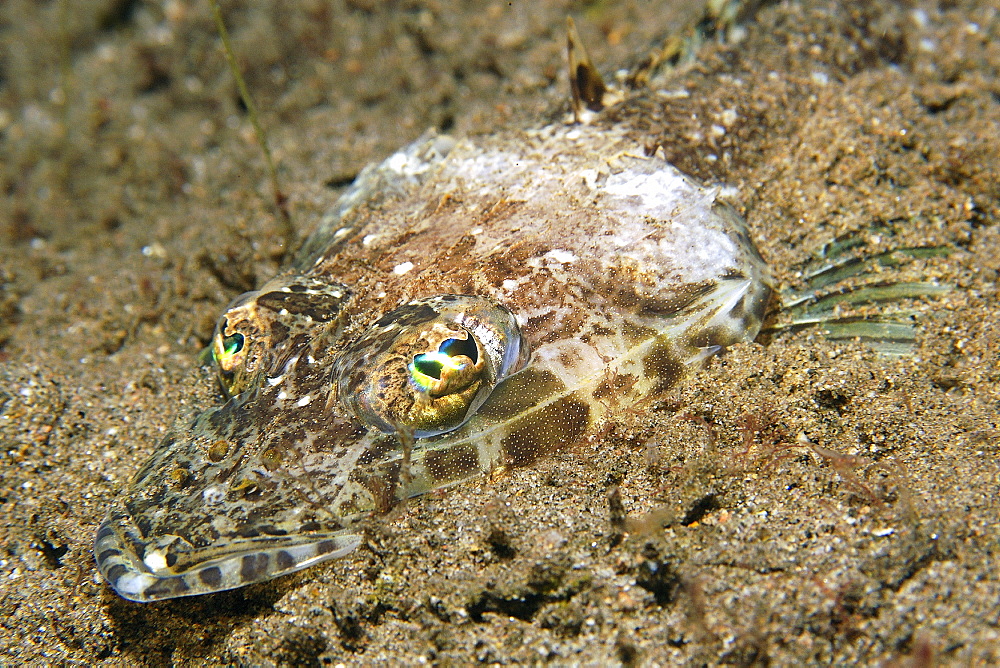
x=585, y=81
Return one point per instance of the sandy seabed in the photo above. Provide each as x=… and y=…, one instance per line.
x=798, y=501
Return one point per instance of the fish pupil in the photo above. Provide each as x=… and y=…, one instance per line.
x=427, y=366
x=456, y=347
x=432, y=364
x=233, y=344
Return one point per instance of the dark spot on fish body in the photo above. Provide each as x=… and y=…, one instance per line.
x=407, y=315
x=143, y=523
x=662, y=364
x=717, y=336
x=634, y=334
x=271, y=530
x=597, y=329
x=166, y=588
x=568, y=359
x=378, y=451
x=520, y=393
x=505, y=209
x=115, y=572
x=542, y=432
x=456, y=257
x=319, y=307
x=106, y=529
x=152, y=466
x=510, y=262
x=284, y=560
x=231, y=417
x=337, y=431
x=539, y=323
x=211, y=576
x=211, y=534
x=326, y=546
x=286, y=438
x=253, y=567
x=452, y=463
x=672, y=303
x=247, y=531
x=278, y=331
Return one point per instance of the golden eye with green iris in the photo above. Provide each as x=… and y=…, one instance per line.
x=229, y=351
x=225, y=350
x=232, y=344
x=450, y=360
x=427, y=366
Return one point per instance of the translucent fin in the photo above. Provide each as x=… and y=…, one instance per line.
x=590, y=93
x=842, y=279
x=585, y=81
x=815, y=303
x=153, y=578
x=835, y=271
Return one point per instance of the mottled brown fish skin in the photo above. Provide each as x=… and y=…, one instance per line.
x=617, y=272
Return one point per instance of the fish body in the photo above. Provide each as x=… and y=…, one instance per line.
x=467, y=305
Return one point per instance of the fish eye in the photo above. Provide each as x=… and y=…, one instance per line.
x=427, y=366
x=452, y=356
x=230, y=350
x=226, y=348
x=232, y=344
